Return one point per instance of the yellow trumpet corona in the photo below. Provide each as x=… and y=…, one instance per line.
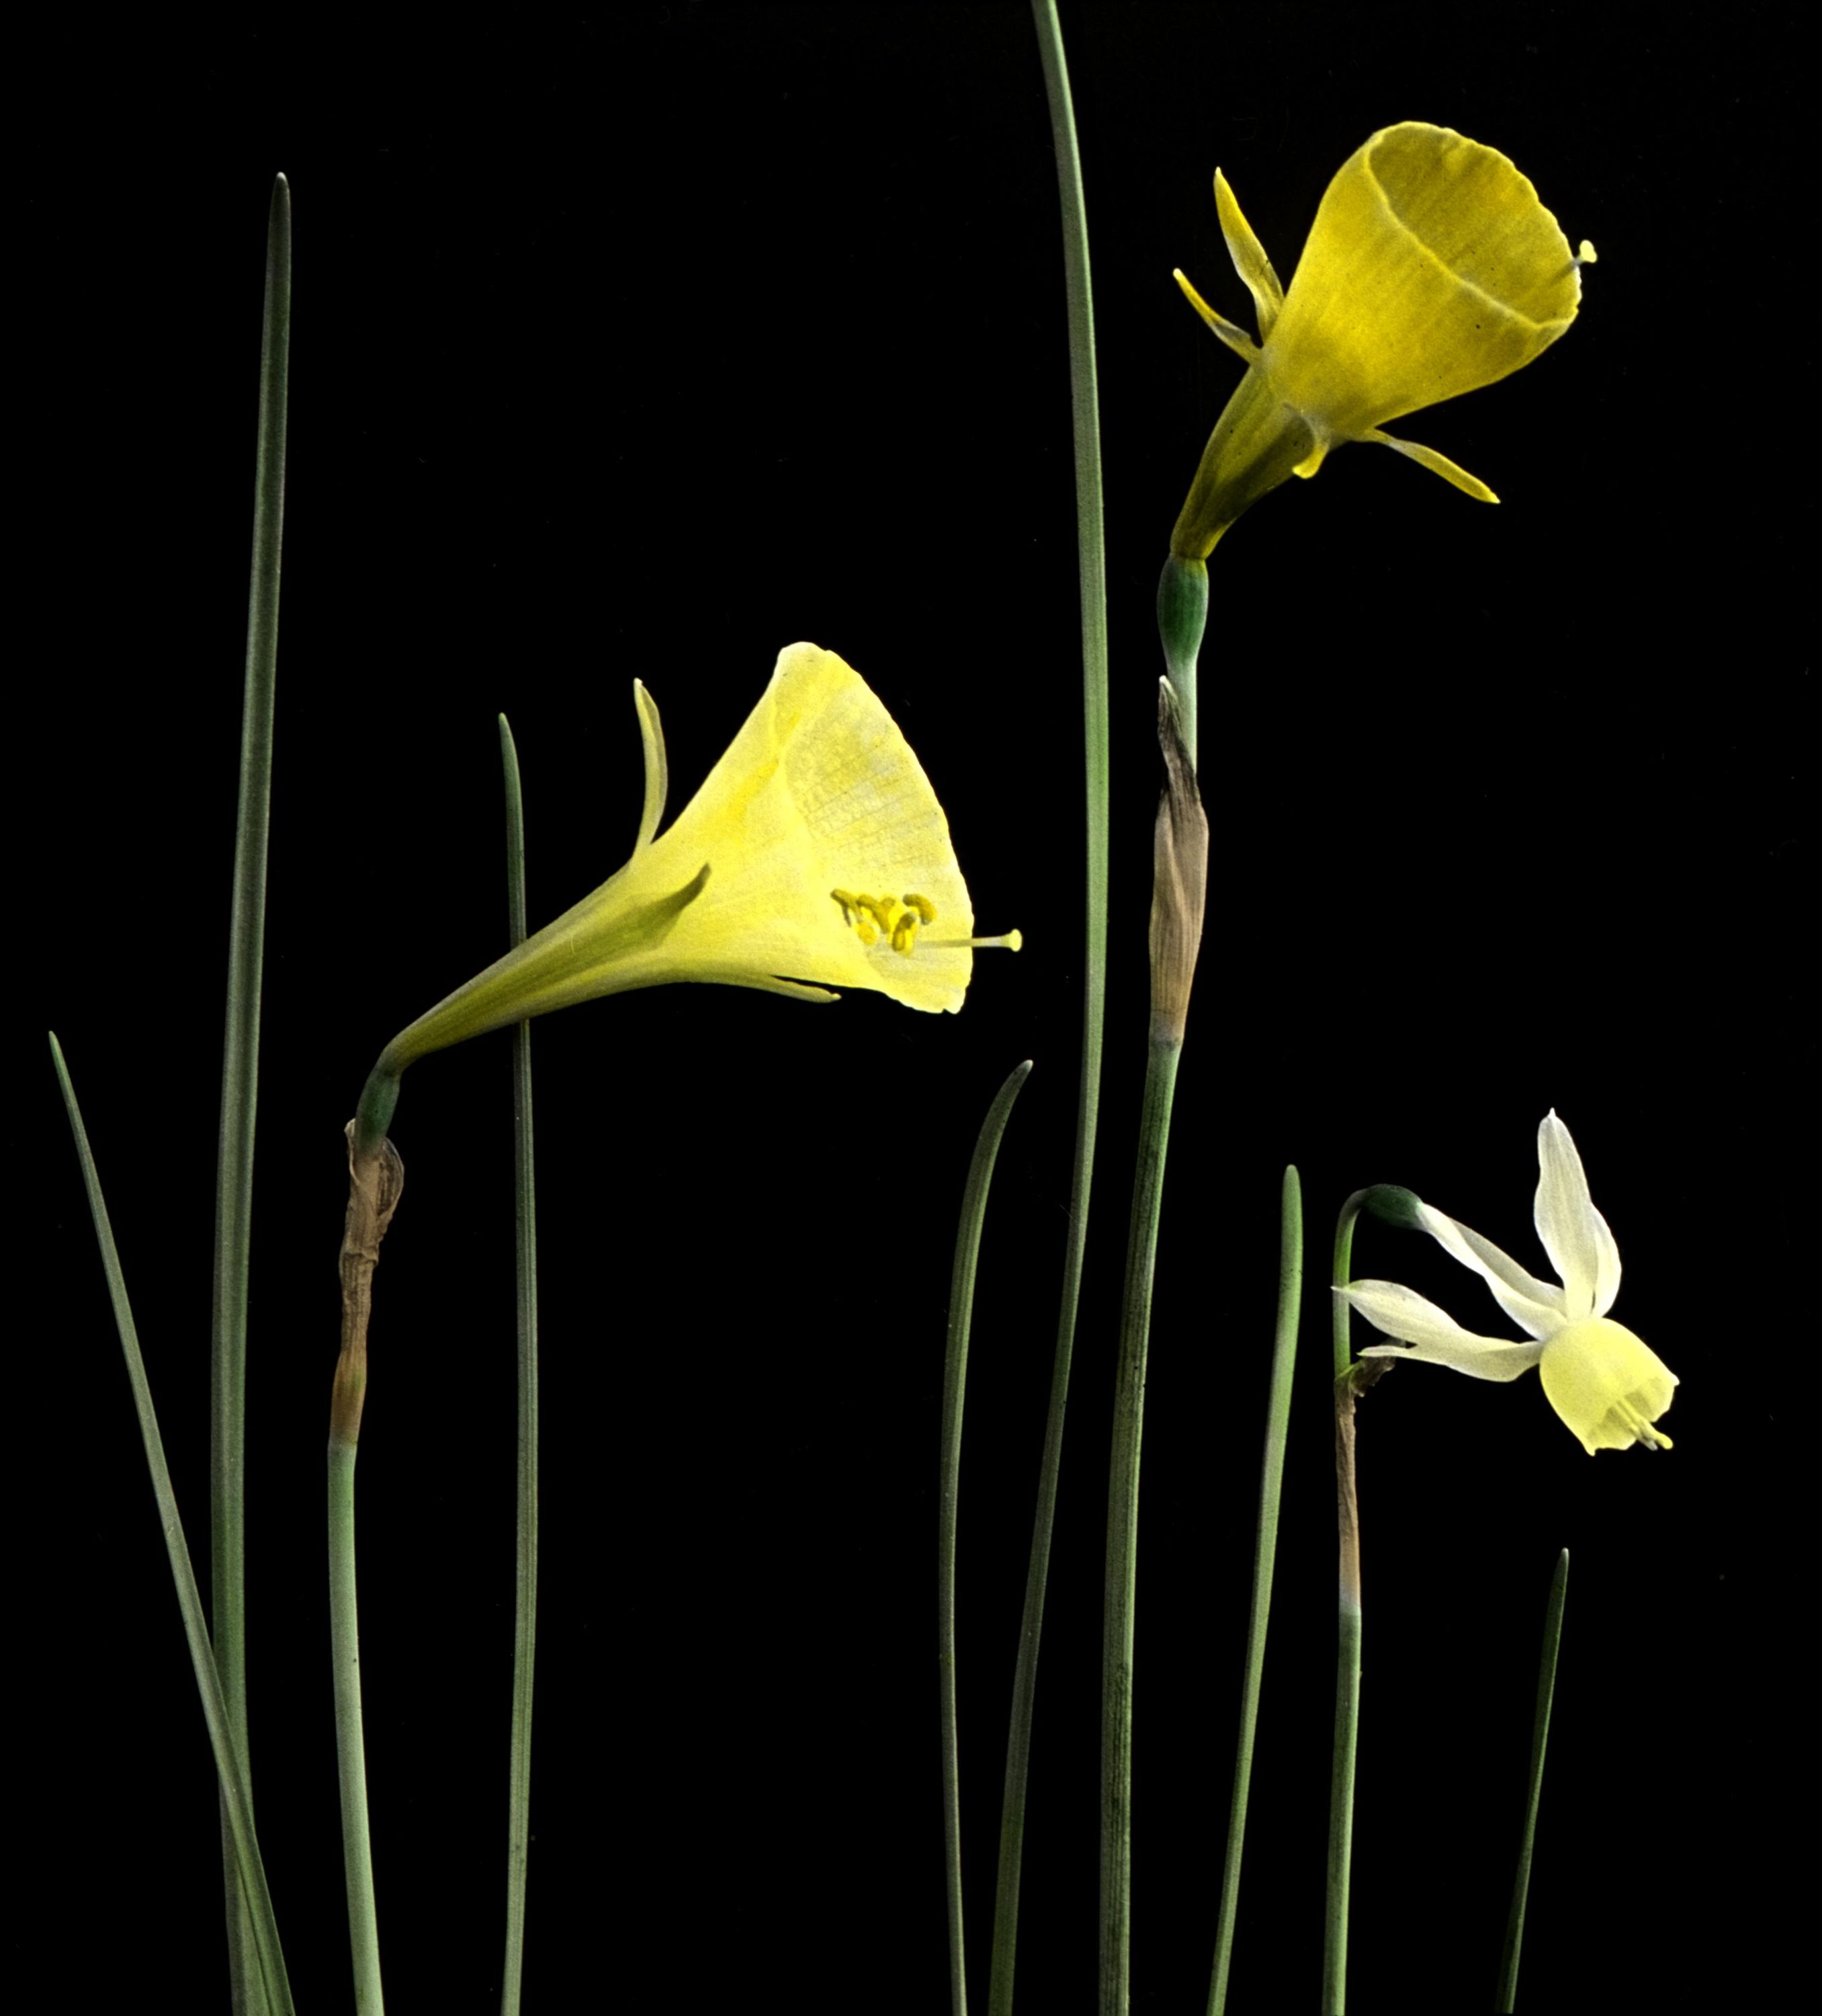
x=818, y=796
x=1432, y=269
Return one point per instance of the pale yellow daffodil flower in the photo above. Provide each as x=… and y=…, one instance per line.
x=1607, y=1384
x=815, y=855
x=1432, y=269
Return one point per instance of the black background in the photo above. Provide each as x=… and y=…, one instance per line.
x=643, y=341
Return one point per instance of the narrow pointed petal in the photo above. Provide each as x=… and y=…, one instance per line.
x=1535, y=1305
x=793, y=990
x=657, y=769
x=1607, y=1265
x=1438, y=465
x=1574, y=1235
x=1428, y=1333
x=1230, y=334
x=1248, y=256
x=1609, y=1385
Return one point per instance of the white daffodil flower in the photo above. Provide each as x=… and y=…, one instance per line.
x=1608, y=1384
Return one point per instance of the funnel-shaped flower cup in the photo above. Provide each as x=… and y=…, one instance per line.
x=815, y=852
x=1432, y=269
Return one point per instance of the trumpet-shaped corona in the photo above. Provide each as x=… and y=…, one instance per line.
x=1432, y=269
x=1608, y=1385
x=762, y=880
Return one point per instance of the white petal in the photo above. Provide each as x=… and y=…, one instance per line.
x=1607, y=1269
x=1535, y=1305
x=1574, y=1233
x=1434, y=1336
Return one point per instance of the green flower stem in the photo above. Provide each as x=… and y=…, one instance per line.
x=525, y=1222
x=1123, y=1514
x=266, y=1972
x=1540, y=1736
x=374, y=1183
x=1179, y=872
x=240, y=1075
x=1091, y=573
x=345, y=1655
x=1182, y=615
x=1264, y=1553
x=1394, y=1206
x=1347, y=1709
x=1347, y=1656
x=372, y=1117
x=974, y=1205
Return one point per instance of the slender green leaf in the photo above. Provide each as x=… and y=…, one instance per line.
x=240, y=1067
x=1540, y=1737
x=268, y=1960
x=1092, y=582
x=525, y=1222
x=1271, y=1473
x=974, y=1206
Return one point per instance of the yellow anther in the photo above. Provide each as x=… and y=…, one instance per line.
x=896, y=919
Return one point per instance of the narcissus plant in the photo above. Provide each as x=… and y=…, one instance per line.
x=1432, y=269
x=1608, y=1384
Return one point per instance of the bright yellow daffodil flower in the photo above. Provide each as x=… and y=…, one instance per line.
x=1432, y=269
x=815, y=852
x=1608, y=1384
